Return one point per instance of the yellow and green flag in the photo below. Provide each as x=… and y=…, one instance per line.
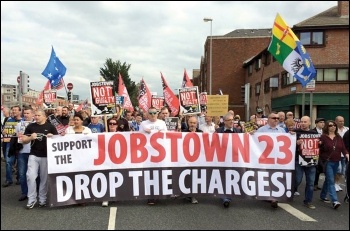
x=290, y=53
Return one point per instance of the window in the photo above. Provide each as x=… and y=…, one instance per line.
x=257, y=64
x=274, y=82
x=267, y=58
x=343, y=74
x=242, y=94
x=286, y=79
x=250, y=69
x=312, y=38
x=267, y=86
x=257, y=88
x=332, y=74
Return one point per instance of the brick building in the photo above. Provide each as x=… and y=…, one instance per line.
x=240, y=58
x=325, y=37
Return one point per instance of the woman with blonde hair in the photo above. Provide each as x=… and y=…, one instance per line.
x=290, y=124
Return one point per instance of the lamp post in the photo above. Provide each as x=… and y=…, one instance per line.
x=211, y=52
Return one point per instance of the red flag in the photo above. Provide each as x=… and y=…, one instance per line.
x=59, y=86
x=82, y=106
x=170, y=98
x=144, y=96
x=40, y=99
x=124, y=92
x=186, y=82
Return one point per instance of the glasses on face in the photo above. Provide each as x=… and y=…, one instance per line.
x=275, y=118
x=332, y=125
x=229, y=120
x=112, y=123
x=259, y=112
x=152, y=112
x=289, y=114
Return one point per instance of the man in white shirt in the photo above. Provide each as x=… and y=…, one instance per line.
x=339, y=121
x=208, y=126
x=153, y=124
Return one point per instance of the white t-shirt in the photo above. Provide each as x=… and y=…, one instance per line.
x=156, y=126
x=207, y=128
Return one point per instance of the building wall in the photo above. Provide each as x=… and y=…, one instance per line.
x=228, y=75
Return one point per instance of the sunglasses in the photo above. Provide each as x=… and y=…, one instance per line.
x=275, y=118
x=112, y=124
x=259, y=112
x=152, y=113
x=332, y=125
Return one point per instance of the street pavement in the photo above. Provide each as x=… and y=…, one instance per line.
x=173, y=214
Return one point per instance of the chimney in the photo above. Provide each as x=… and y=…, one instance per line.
x=343, y=9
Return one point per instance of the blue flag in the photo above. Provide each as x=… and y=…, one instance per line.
x=55, y=70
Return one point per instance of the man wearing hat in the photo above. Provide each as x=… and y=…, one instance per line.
x=320, y=122
x=261, y=120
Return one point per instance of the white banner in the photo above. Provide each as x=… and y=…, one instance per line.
x=117, y=166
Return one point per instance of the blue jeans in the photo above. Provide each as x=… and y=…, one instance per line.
x=328, y=185
x=22, y=172
x=342, y=166
x=310, y=173
x=10, y=160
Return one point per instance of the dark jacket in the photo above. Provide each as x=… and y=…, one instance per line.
x=197, y=130
x=222, y=130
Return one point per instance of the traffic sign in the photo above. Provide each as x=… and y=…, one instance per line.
x=18, y=79
x=70, y=86
x=310, y=86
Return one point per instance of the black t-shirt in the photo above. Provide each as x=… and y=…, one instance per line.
x=38, y=146
x=302, y=134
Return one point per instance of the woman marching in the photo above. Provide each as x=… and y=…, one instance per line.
x=331, y=147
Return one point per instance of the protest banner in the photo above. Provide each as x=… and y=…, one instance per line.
x=102, y=98
x=157, y=102
x=189, y=100
x=203, y=101
x=217, y=105
x=172, y=123
x=61, y=128
x=133, y=165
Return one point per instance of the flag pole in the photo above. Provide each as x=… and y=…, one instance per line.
x=303, y=103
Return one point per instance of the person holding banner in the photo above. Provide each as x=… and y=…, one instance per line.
x=227, y=128
x=112, y=127
x=272, y=127
x=78, y=127
x=192, y=127
x=153, y=124
x=37, y=161
x=208, y=126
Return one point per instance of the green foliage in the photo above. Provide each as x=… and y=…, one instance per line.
x=111, y=71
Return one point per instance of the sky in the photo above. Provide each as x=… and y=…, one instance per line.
x=152, y=37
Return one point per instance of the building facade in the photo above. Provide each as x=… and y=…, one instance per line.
x=240, y=59
x=325, y=37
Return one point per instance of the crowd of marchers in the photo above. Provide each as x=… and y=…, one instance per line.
x=25, y=132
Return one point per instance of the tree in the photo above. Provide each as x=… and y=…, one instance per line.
x=111, y=71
